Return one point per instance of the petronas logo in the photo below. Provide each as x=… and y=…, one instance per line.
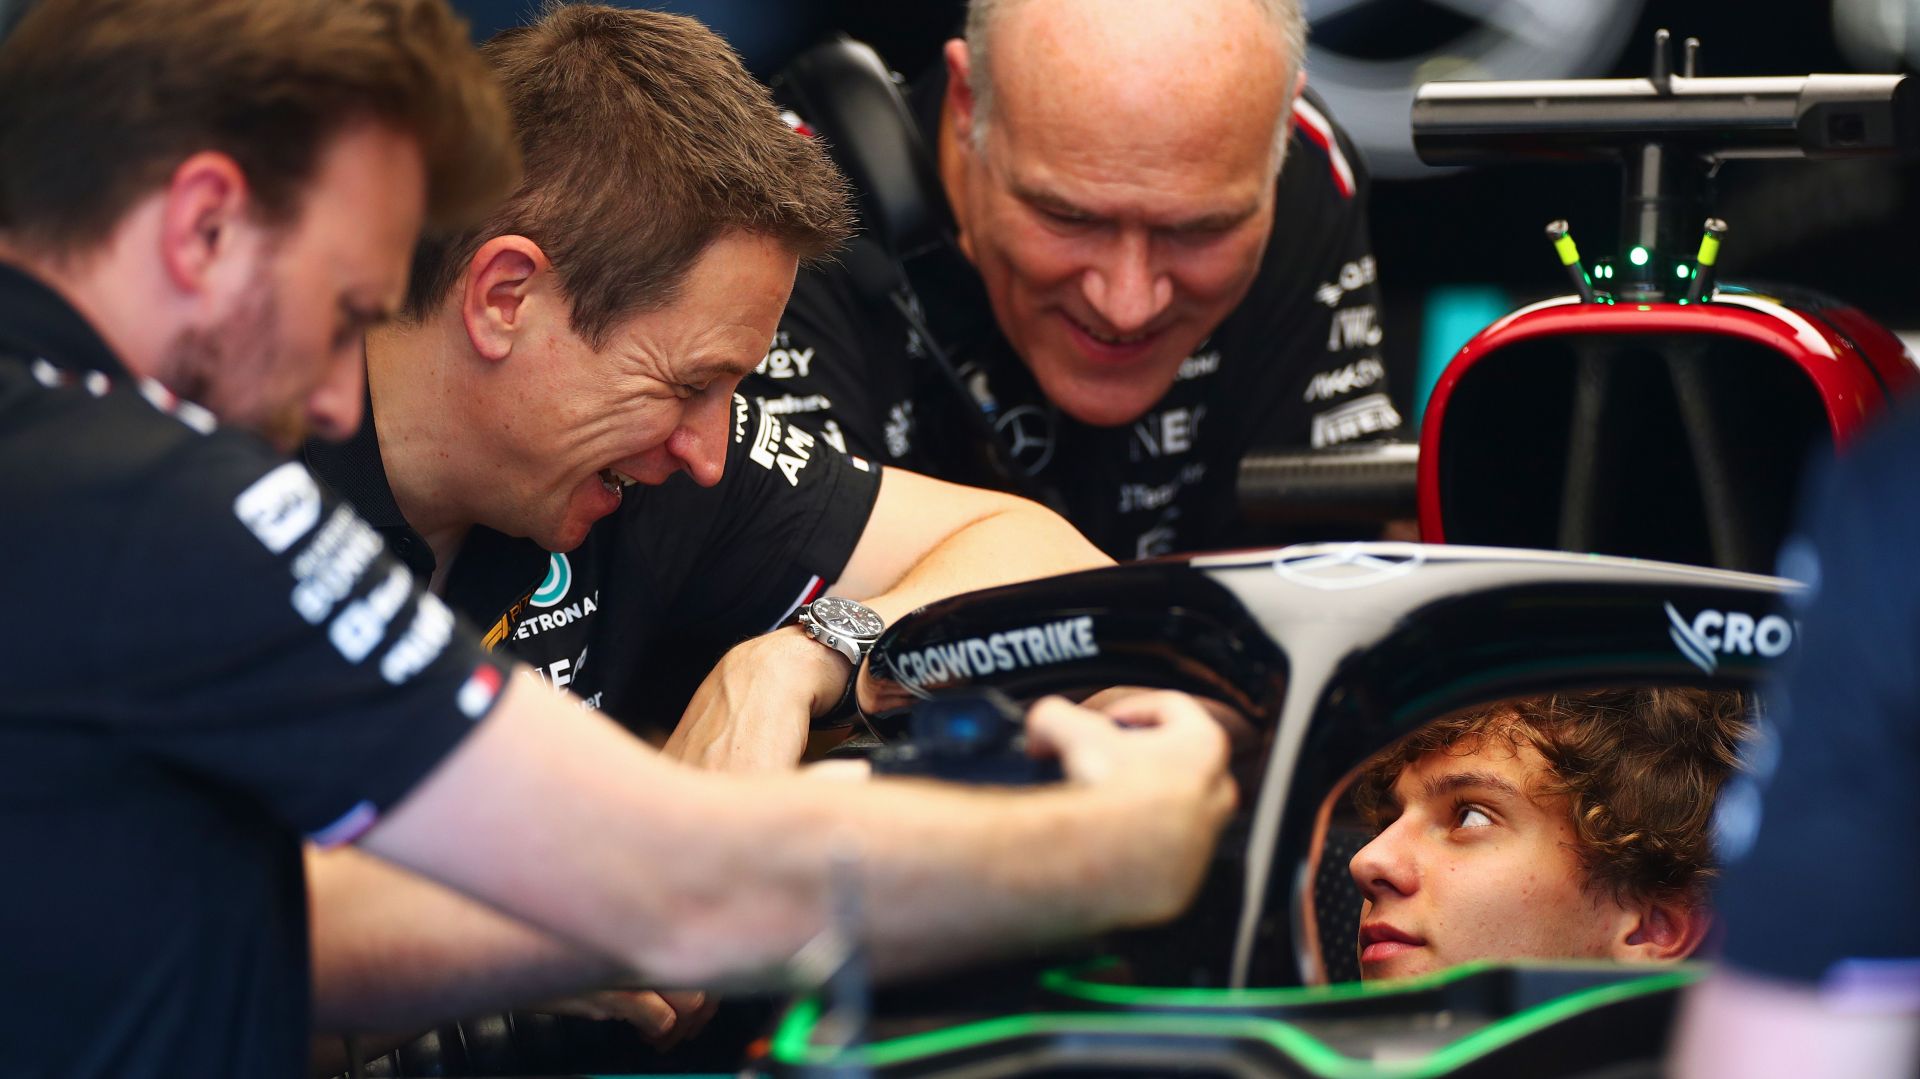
x=554, y=588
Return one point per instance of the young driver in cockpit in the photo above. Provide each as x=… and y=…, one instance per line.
x=1565, y=826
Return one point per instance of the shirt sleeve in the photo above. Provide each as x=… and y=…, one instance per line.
x=1319, y=296
x=836, y=367
x=1818, y=836
x=781, y=526
x=272, y=646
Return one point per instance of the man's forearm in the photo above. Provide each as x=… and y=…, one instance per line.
x=927, y=540
x=1085, y=881
x=937, y=882
x=1021, y=542
x=691, y=876
x=393, y=951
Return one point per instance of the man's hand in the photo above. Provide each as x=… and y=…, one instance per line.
x=925, y=540
x=754, y=709
x=1165, y=761
x=664, y=1019
x=1241, y=734
x=694, y=877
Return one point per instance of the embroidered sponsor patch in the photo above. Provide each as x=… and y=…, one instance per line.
x=781, y=446
x=1339, y=382
x=478, y=692
x=1370, y=415
x=280, y=507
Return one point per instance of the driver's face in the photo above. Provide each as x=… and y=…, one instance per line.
x=1111, y=243
x=284, y=357
x=1477, y=865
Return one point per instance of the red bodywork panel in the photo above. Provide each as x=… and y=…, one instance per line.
x=1856, y=365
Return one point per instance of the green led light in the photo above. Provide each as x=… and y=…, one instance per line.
x=1682, y=272
x=1638, y=256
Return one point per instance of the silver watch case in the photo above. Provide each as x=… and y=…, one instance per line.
x=847, y=627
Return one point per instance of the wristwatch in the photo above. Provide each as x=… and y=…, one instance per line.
x=850, y=629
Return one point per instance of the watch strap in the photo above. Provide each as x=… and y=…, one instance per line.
x=845, y=711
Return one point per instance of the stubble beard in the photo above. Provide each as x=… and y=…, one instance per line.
x=233, y=369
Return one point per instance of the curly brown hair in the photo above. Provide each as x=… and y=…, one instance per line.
x=1640, y=769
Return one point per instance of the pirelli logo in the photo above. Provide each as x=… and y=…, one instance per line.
x=1363, y=416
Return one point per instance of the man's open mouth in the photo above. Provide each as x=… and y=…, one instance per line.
x=1117, y=340
x=616, y=481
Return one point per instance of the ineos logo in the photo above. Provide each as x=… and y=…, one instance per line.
x=1712, y=634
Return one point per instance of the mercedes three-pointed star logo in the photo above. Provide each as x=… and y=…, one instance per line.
x=1348, y=567
x=1028, y=435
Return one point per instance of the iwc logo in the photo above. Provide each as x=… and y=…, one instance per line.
x=1027, y=432
x=554, y=588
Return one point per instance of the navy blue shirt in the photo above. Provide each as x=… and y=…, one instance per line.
x=1822, y=842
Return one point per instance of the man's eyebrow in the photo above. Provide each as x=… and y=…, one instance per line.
x=1050, y=202
x=1217, y=221
x=1447, y=783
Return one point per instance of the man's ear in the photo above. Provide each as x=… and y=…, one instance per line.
x=504, y=283
x=957, y=117
x=206, y=202
x=1664, y=931
x=960, y=100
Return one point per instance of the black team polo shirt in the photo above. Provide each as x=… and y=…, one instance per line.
x=633, y=619
x=208, y=659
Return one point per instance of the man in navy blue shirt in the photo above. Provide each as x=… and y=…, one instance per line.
x=1821, y=971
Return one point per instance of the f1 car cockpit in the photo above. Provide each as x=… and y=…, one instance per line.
x=1329, y=652
x=1333, y=652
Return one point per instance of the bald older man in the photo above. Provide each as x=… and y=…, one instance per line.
x=1161, y=262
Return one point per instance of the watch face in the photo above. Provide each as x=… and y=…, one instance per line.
x=845, y=616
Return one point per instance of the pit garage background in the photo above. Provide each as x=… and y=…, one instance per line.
x=1455, y=251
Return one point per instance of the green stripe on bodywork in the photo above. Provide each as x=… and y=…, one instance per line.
x=791, y=1042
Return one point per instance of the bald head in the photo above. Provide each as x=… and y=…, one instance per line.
x=1208, y=68
x=1111, y=164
